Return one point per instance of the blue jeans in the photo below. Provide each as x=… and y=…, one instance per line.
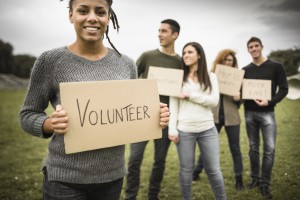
x=53, y=190
x=264, y=121
x=161, y=147
x=208, y=142
x=233, y=136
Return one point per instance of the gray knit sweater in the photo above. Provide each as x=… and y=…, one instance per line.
x=61, y=65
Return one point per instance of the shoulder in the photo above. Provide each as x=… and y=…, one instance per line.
x=150, y=53
x=178, y=57
x=53, y=55
x=120, y=61
x=54, y=52
x=274, y=63
x=48, y=58
x=114, y=56
x=248, y=66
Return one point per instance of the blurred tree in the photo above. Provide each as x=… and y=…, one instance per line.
x=19, y=65
x=289, y=58
x=22, y=65
x=6, y=57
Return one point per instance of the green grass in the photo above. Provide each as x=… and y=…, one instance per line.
x=22, y=157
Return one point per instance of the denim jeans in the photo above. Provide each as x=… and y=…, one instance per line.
x=233, y=136
x=208, y=142
x=53, y=190
x=264, y=121
x=161, y=147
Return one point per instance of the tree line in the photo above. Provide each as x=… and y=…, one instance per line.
x=289, y=58
x=20, y=65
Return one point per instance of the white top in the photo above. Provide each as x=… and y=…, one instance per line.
x=194, y=114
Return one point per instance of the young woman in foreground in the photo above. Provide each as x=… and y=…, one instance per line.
x=96, y=174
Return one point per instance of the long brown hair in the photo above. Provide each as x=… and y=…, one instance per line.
x=202, y=72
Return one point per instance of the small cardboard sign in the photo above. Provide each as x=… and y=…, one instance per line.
x=230, y=79
x=169, y=81
x=110, y=113
x=256, y=89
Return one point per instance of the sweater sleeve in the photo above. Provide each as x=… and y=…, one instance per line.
x=133, y=67
x=32, y=114
x=282, y=84
x=174, y=109
x=209, y=100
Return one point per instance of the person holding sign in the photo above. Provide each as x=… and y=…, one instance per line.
x=96, y=174
x=260, y=115
x=192, y=122
x=165, y=57
x=226, y=114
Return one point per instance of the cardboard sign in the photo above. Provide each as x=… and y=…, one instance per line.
x=256, y=89
x=110, y=113
x=169, y=81
x=230, y=79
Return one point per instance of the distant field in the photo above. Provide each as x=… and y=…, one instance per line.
x=22, y=156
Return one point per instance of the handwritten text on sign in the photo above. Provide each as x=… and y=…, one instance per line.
x=230, y=79
x=111, y=116
x=169, y=81
x=110, y=113
x=256, y=89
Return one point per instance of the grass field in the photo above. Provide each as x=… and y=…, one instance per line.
x=22, y=156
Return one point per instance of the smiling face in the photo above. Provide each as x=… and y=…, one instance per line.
x=90, y=18
x=255, y=49
x=190, y=56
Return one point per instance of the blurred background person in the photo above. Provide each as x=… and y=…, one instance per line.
x=226, y=114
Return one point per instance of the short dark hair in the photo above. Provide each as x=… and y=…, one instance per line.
x=174, y=25
x=254, y=39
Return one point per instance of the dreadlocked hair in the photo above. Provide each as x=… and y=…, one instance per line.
x=114, y=21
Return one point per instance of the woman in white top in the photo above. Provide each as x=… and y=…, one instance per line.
x=192, y=121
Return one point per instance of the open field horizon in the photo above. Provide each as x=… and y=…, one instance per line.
x=22, y=156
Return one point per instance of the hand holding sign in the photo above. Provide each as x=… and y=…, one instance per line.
x=164, y=115
x=183, y=96
x=237, y=97
x=261, y=102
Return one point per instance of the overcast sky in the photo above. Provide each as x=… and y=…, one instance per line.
x=34, y=26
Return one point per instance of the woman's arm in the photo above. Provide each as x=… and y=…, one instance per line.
x=209, y=100
x=33, y=115
x=174, y=108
